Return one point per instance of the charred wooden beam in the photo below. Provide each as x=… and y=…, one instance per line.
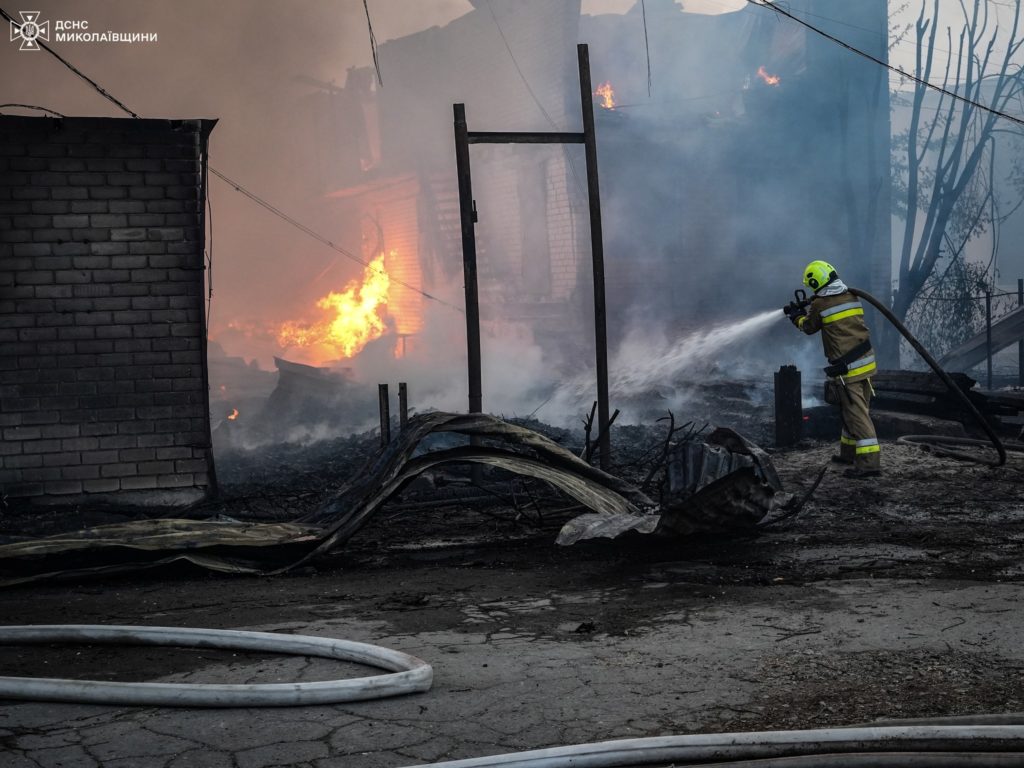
x=789, y=412
x=385, y=414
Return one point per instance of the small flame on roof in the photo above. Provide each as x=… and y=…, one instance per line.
x=607, y=94
x=768, y=79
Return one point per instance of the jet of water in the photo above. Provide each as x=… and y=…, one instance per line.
x=636, y=369
x=642, y=363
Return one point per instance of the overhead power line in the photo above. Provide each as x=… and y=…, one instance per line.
x=647, y=47
x=32, y=106
x=238, y=187
x=318, y=237
x=373, y=44
x=887, y=65
x=70, y=66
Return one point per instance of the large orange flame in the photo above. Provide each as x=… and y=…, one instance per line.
x=607, y=94
x=769, y=79
x=352, y=319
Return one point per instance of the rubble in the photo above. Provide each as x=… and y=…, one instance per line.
x=307, y=401
x=719, y=483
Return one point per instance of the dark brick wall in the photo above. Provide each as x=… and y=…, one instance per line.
x=103, y=385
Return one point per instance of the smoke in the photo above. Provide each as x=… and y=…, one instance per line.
x=716, y=188
x=648, y=365
x=249, y=64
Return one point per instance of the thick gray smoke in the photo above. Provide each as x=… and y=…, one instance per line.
x=717, y=186
x=247, y=63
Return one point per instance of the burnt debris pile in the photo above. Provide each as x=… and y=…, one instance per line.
x=681, y=483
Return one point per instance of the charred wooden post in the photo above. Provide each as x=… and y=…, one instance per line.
x=1020, y=344
x=403, y=405
x=385, y=414
x=789, y=412
x=467, y=211
x=597, y=253
x=988, y=337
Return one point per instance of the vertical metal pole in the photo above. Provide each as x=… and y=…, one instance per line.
x=597, y=252
x=403, y=405
x=467, y=211
x=1020, y=344
x=988, y=335
x=385, y=414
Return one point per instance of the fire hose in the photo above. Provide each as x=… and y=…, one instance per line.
x=950, y=384
x=801, y=302
x=408, y=673
x=976, y=741
x=953, y=746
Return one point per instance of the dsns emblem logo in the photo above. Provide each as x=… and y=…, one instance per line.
x=30, y=30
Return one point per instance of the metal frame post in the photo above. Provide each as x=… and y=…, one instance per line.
x=597, y=252
x=467, y=213
x=467, y=209
x=988, y=335
x=1020, y=344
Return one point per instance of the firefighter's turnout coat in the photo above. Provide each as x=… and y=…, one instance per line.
x=847, y=343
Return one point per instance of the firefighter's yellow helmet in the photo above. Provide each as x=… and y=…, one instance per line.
x=818, y=274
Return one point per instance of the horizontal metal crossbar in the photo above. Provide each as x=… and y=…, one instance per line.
x=521, y=137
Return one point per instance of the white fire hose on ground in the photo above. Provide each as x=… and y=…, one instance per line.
x=951, y=746
x=967, y=742
x=408, y=674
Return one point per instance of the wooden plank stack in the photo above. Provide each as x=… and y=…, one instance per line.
x=925, y=393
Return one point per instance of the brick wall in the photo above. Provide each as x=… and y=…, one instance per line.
x=103, y=385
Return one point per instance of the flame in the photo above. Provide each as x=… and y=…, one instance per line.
x=769, y=79
x=607, y=94
x=233, y=415
x=353, y=318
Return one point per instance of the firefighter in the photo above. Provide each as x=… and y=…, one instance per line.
x=839, y=316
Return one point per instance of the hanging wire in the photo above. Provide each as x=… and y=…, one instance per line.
x=373, y=44
x=239, y=188
x=880, y=62
x=647, y=47
x=70, y=66
x=33, y=106
x=320, y=238
x=568, y=157
x=966, y=297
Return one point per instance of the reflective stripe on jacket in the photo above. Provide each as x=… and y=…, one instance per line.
x=840, y=319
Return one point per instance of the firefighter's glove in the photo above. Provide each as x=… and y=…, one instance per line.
x=794, y=312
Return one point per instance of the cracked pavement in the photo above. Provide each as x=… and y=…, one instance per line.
x=901, y=610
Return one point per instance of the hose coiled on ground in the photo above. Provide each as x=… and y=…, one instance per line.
x=408, y=673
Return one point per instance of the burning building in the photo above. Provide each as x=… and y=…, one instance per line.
x=761, y=146
x=388, y=163
x=756, y=147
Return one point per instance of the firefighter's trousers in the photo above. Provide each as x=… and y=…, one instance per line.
x=858, y=443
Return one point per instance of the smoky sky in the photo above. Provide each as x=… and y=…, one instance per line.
x=249, y=63
x=236, y=61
